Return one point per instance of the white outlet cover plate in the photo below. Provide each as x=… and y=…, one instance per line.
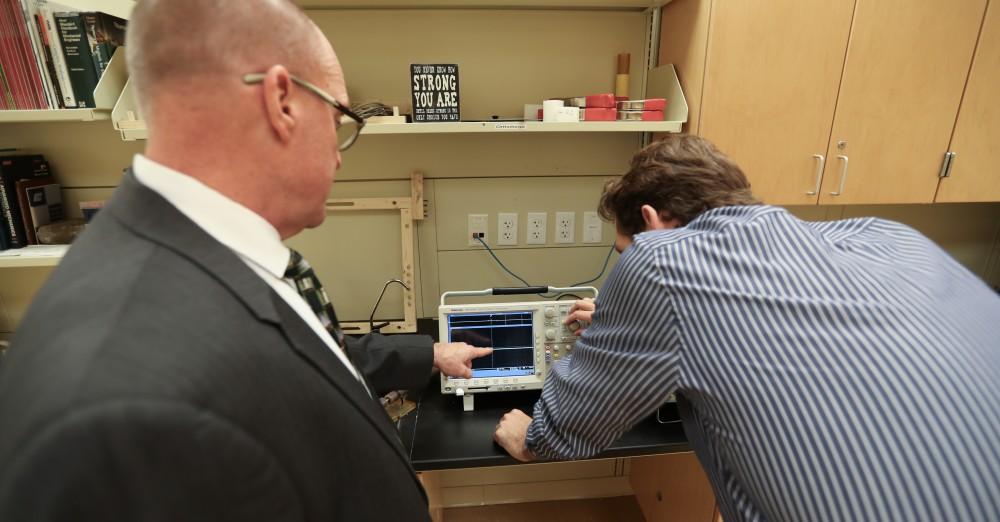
x=591, y=227
x=565, y=227
x=536, y=227
x=507, y=228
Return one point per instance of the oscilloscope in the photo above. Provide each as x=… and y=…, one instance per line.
x=526, y=338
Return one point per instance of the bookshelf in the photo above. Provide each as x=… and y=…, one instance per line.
x=119, y=8
x=106, y=94
x=54, y=115
x=633, y=5
x=33, y=256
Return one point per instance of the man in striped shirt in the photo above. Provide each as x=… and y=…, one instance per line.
x=845, y=370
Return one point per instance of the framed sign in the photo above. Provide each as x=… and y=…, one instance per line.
x=435, y=92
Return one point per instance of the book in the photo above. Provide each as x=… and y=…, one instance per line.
x=79, y=63
x=40, y=201
x=9, y=57
x=50, y=67
x=90, y=29
x=26, y=54
x=44, y=206
x=58, y=60
x=13, y=169
x=8, y=99
x=43, y=86
x=109, y=33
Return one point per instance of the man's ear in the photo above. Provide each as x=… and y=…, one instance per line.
x=278, y=88
x=655, y=221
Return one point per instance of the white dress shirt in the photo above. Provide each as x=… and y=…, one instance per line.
x=240, y=229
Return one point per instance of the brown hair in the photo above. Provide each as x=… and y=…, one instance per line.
x=681, y=176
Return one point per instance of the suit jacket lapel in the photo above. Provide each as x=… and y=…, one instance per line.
x=148, y=215
x=311, y=348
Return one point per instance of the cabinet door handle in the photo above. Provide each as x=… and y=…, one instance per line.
x=819, y=174
x=843, y=177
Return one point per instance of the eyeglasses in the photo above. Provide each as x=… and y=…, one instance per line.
x=348, y=130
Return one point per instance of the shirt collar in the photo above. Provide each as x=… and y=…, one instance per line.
x=235, y=226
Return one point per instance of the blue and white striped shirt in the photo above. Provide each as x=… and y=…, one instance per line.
x=845, y=370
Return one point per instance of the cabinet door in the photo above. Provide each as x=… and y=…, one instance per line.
x=770, y=89
x=906, y=68
x=975, y=171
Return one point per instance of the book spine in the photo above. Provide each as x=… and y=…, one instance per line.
x=48, y=95
x=58, y=60
x=8, y=99
x=11, y=63
x=90, y=29
x=9, y=229
x=13, y=169
x=76, y=50
x=50, y=65
x=27, y=54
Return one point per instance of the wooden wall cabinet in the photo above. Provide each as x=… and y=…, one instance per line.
x=771, y=80
x=975, y=170
x=846, y=102
x=906, y=68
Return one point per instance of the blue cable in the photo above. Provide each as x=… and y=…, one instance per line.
x=490, y=250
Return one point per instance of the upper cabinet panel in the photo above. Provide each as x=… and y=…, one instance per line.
x=975, y=171
x=906, y=69
x=771, y=81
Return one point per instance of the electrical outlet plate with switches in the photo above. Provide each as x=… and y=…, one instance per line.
x=565, y=226
x=536, y=227
x=477, y=228
x=507, y=228
x=591, y=227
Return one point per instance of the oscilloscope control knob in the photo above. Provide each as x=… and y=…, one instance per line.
x=550, y=334
x=550, y=312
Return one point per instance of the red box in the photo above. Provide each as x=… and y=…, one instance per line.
x=598, y=114
x=603, y=101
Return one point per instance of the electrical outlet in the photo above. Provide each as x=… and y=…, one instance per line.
x=537, y=225
x=507, y=228
x=591, y=227
x=565, y=226
x=477, y=228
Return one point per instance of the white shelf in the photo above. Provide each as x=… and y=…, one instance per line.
x=32, y=256
x=629, y=5
x=54, y=115
x=529, y=126
x=119, y=8
x=661, y=83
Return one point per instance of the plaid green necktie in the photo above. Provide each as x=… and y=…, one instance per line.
x=309, y=287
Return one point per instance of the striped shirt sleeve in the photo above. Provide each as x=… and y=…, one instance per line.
x=618, y=372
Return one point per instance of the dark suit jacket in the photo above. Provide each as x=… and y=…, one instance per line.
x=156, y=377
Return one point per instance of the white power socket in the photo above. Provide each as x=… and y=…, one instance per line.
x=477, y=228
x=507, y=228
x=591, y=227
x=565, y=227
x=536, y=227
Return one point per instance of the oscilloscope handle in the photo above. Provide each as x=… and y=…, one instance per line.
x=518, y=291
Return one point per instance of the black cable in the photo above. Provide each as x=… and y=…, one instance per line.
x=603, y=268
x=569, y=295
x=371, y=318
x=497, y=259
